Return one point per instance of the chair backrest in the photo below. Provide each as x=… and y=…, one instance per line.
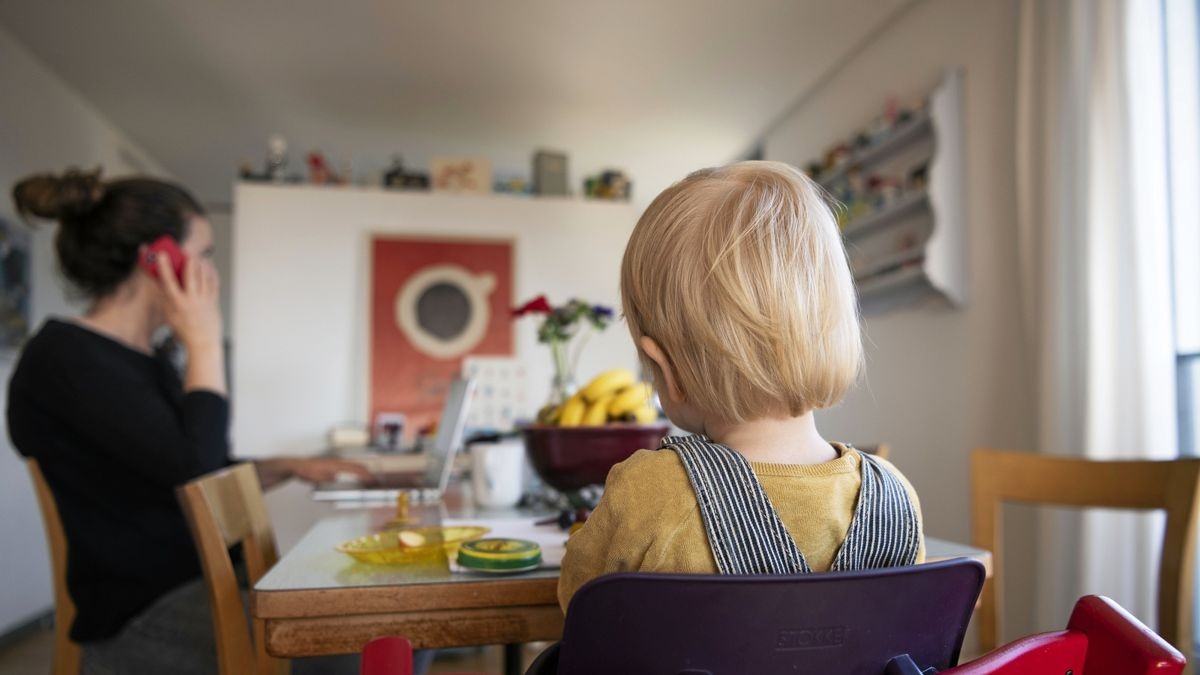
x=224, y=508
x=842, y=622
x=881, y=450
x=66, y=652
x=1003, y=476
x=1101, y=639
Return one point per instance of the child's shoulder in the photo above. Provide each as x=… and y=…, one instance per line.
x=651, y=462
x=648, y=475
x=908, y=487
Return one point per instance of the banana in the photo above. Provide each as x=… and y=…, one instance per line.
x=572, y=411
x=548, y=415
x=629, y=399
x=608, y=382
x=597, y=413
x=645, y=414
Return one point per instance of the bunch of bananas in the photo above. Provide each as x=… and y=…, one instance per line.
x=614, y=396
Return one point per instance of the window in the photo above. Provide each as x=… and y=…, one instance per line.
x=1182, y=75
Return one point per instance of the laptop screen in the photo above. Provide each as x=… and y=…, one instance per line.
x=449, y=434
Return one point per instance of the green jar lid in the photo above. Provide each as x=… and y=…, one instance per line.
x=500, y=555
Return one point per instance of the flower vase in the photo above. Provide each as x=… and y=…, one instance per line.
x=562, y=385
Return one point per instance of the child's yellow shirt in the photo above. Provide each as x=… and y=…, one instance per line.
x=649, y=520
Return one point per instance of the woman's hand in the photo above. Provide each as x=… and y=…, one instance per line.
x=193, y=310
x=271, y=472
x=324, y=470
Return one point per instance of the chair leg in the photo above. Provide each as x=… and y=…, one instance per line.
x=512, y=659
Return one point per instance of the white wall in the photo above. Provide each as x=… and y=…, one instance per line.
x=301, y=294
x=939, y=381
x=44, y=125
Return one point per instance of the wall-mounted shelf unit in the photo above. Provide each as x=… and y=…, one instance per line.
x=913, y=245
x=917, y=127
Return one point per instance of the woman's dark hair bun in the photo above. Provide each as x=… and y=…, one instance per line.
x=61, y=197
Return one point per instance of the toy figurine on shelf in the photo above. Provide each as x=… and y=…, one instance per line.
x=276, y=158
x=612, y=185
x=514, y=185
x=837, y=156
x=397, y=177
x=246, y=170
x=319, y=172
x=918, y=178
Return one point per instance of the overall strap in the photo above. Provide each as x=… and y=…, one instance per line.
x=744, y=531
x=884, y=530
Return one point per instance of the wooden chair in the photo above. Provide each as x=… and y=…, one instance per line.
x=882, y=450
x=1173, y=486
x=66, y=652
x=224, y=508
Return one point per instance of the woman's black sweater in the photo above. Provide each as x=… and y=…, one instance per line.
x=115, y=434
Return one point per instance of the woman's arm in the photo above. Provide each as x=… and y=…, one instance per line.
x=272, y=472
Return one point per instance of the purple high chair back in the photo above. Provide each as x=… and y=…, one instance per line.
x=840, y=623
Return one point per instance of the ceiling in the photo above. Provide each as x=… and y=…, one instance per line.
x=655, y=87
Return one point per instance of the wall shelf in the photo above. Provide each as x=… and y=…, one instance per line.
x=867, y=224
x=888, y=264
x=916, y=246
x=919, y=126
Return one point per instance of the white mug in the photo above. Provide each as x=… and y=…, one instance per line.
x=497, y=473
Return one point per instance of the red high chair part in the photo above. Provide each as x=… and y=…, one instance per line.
x=1101, y=639
x=390, y=656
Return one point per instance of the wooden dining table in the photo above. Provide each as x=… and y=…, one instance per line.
x=317, y=600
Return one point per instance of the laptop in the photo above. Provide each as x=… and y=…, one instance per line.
x=428, y=485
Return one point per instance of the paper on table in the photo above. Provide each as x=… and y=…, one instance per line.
x=550, y=537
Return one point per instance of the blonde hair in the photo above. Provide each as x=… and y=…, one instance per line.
x=740, y=276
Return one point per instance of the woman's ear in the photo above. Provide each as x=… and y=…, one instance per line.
x=651, y=349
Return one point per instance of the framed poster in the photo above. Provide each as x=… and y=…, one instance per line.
x=434, y=302
x=14, y=285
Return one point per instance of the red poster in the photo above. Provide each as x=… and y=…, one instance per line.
x=434, y=302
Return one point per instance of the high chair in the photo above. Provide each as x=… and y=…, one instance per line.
x=1101, y=639
x=390, y=656
x=66, y=652
x=224, y=508
x=841, y=622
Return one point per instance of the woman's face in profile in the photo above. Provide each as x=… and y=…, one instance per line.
x=199, y=241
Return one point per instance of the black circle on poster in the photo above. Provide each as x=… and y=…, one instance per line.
x=443, y=311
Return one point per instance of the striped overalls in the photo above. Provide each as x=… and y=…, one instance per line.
x=747, y=536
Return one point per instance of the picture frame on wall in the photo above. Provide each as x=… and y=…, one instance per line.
x=472, y=175
x=15, y=263
x=434, y=303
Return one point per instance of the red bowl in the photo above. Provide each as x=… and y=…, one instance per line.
x=570, y=458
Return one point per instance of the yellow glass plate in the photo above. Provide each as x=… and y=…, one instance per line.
x=417, y=544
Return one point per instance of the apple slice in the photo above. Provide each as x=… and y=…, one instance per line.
x=411, y=539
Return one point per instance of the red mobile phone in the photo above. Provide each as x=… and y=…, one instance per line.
x=164, y=245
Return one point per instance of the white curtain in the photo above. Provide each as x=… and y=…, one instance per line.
x=1096, y=276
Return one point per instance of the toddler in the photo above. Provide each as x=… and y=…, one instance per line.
x=737, y=292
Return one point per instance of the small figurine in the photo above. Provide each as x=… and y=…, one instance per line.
x=276, y=158
x=918, y=178
x=318, y=171
x=610, y=184
x=246, y=170
x=397, y=177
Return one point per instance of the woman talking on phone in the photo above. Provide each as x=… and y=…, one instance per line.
x=114, y=425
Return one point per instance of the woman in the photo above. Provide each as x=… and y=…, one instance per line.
x=114, y=428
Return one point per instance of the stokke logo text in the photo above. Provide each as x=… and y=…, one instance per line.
x=810, y=638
